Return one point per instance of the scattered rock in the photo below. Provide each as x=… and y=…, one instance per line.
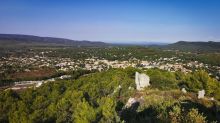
x=117, y=89
x=39, y=84
x=130, y=102
x=201, y=94
x=183, y=90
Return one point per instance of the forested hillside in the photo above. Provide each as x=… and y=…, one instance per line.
x=15, y=40
x=101, y=97
x=210, y=46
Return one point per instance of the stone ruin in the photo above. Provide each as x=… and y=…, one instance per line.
x=201, y=94
x=141, y=81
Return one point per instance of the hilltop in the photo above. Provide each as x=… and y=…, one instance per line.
x=102, y=97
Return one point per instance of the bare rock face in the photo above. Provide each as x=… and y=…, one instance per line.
x=201, y=94
x=141, y=80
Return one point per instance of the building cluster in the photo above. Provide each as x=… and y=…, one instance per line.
x=66, y=64
x=27, y=84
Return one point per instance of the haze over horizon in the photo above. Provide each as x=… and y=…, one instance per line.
x=117, y=21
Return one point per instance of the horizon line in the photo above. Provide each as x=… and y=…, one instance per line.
x=113, y=42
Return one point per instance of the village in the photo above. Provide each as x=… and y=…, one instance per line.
x=39, y=60
x=67, y=64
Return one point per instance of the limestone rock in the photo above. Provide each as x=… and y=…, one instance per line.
x=201, y=94
x=117, y=89
x=141, y=80
x=183, y=90
x=130, y=102
x=38, y=84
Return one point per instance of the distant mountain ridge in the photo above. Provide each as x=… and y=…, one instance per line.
x=194, y=46
x=30, y=40
x=16, y=40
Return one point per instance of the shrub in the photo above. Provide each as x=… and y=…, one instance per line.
x=194, y=116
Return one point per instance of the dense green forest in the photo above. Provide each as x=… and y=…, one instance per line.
x=96, y=97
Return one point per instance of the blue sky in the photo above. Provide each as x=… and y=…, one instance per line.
x=113, y=20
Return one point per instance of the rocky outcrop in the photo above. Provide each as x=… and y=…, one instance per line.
x=141, y=81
